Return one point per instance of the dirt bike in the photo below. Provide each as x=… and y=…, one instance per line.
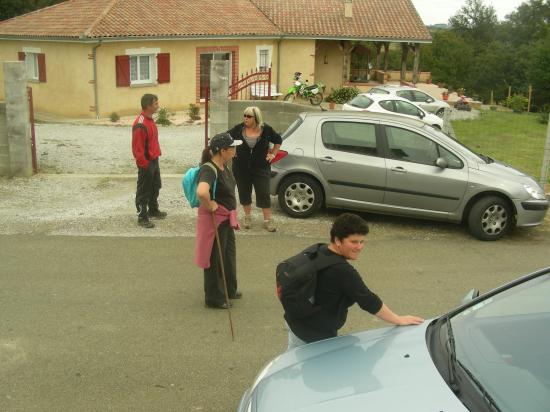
x=300, y=89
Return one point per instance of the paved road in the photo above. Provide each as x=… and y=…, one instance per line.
x=118, y=323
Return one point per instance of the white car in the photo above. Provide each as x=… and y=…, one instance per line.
x=381, y=103
x=418, y=97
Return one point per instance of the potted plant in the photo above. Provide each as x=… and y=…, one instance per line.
x=330, y=101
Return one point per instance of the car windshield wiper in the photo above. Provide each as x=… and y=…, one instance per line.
x=453, y=362
x=451, y=359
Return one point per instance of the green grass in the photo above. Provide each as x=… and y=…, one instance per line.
x=516, y=139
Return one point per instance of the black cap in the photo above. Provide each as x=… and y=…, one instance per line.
x=222, y=141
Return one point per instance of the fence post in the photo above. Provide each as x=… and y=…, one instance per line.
x=206, y=114
x=546, y=158
x=529, y=99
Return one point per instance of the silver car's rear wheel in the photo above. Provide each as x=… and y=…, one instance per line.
x=300, y=196
x=490, y=218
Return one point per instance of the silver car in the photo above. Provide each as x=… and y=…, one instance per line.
x=424, y=100
x=490, y=354
x=394, y=165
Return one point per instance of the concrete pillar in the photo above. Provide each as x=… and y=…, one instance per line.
x=219, y=101
x=416, y=64
x=17, y=119
x=4, y=147
x=404, y=54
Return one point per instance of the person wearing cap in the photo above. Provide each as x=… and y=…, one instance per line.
x=223, y=205
x=252, y=166
x=146, y=151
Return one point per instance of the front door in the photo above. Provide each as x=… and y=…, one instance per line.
x=205, y=60
x=415, y=185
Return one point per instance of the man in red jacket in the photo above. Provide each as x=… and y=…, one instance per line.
x=146, y=149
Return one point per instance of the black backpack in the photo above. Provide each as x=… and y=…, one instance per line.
x=296, y=279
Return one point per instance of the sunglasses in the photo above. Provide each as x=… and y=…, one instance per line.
x=248, y=116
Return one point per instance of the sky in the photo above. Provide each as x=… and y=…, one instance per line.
x=439, y=11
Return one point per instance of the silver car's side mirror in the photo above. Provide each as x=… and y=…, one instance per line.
x=429, y=100
x=441, y=163
x=471, y=295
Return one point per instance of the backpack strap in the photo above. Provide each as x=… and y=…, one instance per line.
x=320, y=260
x=215, y=180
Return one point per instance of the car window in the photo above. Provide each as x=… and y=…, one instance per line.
x=407, y=108
x=350, y=137
x=406, y=94
x=453, y=162
x=410, y=146
x=360, y=101
x=419, y=96
x=378, y=91
x=387, y=104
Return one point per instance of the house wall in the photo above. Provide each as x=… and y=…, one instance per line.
x=69, y=89
x=328, y=64
x=68, y=71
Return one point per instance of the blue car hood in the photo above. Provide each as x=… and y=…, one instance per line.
x=386, y=369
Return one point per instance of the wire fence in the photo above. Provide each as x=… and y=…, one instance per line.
x=521, y=140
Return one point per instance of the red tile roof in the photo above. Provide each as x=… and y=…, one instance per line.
x=86, y=19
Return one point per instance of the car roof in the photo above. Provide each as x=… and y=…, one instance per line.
x=378, y=97
x=371, y=115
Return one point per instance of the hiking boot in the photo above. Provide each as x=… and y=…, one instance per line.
x=146, y=223
x=247, y=221
x=157, y=214
x=269, y=225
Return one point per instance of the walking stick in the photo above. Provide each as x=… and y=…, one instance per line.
x=223, y=276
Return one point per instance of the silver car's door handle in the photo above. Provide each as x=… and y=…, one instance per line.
x=399, y=169
x=328, y=159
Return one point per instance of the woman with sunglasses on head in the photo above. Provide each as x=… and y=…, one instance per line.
x=252, y=166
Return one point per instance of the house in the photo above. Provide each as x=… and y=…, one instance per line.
x=91, y=58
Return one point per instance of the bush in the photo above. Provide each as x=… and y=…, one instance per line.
x=162, y=117
x=114, y=117
x=517, y=103
x=193, y=112
x=342, y=95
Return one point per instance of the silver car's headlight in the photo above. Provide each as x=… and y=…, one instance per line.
x=535, y=192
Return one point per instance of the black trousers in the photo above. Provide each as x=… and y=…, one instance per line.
x=148, y=188
x=245, y=182
x=213, y=281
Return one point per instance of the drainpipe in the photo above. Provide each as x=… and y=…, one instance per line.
x=96, y=97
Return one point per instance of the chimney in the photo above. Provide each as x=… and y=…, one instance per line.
x=348, y=8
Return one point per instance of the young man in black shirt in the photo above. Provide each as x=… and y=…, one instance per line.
x=339, y=286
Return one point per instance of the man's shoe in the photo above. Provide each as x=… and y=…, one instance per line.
x=247, y=221
x=146, y=223
x=237, y=295
x=269, y=225
x=157, y=214
x=218, y=305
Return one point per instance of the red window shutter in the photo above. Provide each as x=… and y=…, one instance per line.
x=41, y=58
x=21, y=56
x=163, y=67
x=122, y=64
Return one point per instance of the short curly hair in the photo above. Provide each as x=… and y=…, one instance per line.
x=348, y=224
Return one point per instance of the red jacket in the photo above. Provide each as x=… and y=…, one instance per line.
x=145, y=140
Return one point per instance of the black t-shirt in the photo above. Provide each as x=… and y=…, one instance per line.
x=338, y=287
x=225, y=187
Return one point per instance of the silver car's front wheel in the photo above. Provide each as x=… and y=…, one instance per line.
x=490, y=218
x=300, y=196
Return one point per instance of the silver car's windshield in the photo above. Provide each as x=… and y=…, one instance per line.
x=504, y=343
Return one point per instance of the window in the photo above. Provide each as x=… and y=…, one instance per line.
x=405, y=94
x=387, y=105
x=35, y=63
x=360, y=101
x=407, y=108
x=420, y=97
x=453, y=162
x=411, y=147
x=350, y=137
x=263, y=57
x=142, y=67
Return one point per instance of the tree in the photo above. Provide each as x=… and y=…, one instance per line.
x=475, y=22
x=538, y=74
x=13, y=8
x=451, y=57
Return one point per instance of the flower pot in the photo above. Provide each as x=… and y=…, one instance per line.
x=331, y=105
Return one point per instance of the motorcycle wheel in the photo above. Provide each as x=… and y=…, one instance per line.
x=316, y=99
x=289, y=97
